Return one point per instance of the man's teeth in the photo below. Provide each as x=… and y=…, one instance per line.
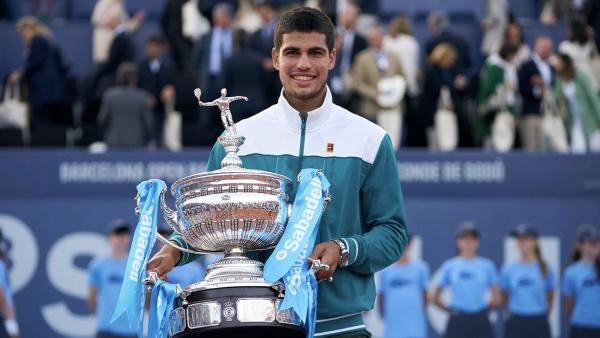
x=303, y=78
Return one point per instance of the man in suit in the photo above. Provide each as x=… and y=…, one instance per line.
x=535, y=80
x=350, y=44
x=262, y=43
x=372, y=65
x=125, y=115
x=211, y=52
x=156, y=78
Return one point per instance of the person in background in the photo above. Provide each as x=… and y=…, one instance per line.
x=494, y=25
x=105, y=279
x=156, y=76
x=44, y=65
x=514, y=36
x=103, y=14
x=581, y=284
x=579, y=102
x=172, y=24
x=535, y=78
x=184, y=275
x=371, y=66
x=243, y=70
x=438, y=24
x=405, y=47
x=261, y=42
x=592, y=18
x=350, y=44
x=497, y=90
x=527, y=288
x=125, y=116
x=8, y=327
x=469, y=277
x=403, y=296
x=580, y=47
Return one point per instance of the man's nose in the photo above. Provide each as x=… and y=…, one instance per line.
x=303, y=62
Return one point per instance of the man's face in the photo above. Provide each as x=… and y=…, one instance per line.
x=303, y=62
x=153, y=50
x=221, y=18
x=119, y=241
x=543, y=48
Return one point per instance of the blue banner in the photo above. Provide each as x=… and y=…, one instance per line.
x=55, y=207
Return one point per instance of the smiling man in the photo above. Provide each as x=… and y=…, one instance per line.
x=363, y=229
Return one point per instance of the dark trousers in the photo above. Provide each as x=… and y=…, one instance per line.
x=584, y=332
x=469, y=325
x=527, y=326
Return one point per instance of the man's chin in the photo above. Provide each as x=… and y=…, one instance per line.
x=306, y=93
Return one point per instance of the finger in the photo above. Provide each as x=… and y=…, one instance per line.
x=317, y=252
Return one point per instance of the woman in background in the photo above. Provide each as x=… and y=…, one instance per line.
x=527, y=288
x=581, y=285
x=469, y=277
x=514, y=36
x=579, y=101
x=580, y=47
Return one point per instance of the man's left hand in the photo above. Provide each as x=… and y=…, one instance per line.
x=328, y=253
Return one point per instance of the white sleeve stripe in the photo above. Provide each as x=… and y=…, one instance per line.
x=355, y=252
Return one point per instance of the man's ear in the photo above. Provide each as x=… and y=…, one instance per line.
x=275, y=57
x=332, y=58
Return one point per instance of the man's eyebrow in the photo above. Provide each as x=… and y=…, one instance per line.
x=291, y=49
x=317, y=49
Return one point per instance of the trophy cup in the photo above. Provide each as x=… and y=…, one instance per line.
x=231, y=210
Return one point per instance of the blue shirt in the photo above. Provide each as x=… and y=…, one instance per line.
x=4, y=285
x=527, y=287
x=106, y=275
x=403, y=286
x=581, y=282
x=186, y=275
x=220, y=49
x=468, y=279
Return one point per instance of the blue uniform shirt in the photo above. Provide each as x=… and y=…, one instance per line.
x=4, y=285
x=403, y=286
x=468, y=279
x=527, y=287
x=185, y=275
x=106, y=275
x=582, y=283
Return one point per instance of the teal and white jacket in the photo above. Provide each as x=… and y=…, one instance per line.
x=366, y=209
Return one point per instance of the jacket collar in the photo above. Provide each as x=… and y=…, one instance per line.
x=315, y=118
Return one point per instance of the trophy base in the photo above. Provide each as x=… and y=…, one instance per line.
x=250, y=311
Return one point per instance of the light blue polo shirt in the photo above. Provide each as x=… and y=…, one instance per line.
x=4, y=284
x=582, y=283
x=403, y=286
x=185, y=275
x=527, y=287
x=106, y=275
x=468, y=280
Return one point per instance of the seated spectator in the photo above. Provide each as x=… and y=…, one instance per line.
x=103, y=14
x=514, y=36
x=497, y=89
x=438, y=25
x=45, y=75
x=580, y=47
x=243, y=70
x=371, y=67
x=441, y=72
x=156, y=78
x=580, y=102
x=535, y=77
x=125, y=116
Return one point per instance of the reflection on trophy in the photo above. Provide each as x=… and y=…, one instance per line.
x=231, y=210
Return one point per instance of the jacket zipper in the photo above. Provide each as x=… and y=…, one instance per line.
x=302, y=136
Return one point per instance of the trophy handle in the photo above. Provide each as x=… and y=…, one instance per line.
x=169, y=214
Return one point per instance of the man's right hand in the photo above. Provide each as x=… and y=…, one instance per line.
x=164, y=261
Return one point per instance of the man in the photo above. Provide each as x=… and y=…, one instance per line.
x=403, y=297
x=125, y=116
x=262, y=42
x=363, y=229
x=371, y=66
x=105, y=278
x=535, y=79
x=156, y=78
x=211, y=52
x=351, y=43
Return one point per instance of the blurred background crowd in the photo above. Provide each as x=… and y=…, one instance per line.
x=496, y=74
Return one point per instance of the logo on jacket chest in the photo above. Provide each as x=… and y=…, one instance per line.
x=329, y=147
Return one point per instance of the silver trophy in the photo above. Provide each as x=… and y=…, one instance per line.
x=231, y=210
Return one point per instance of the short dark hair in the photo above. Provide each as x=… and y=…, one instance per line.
x=578, y=31
x=127, y=74
x=155, y=39
x=306, y=20
x=507, y=49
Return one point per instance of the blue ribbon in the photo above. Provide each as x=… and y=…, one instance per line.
x=289, y=259
x=161, y=305
x=132, y=295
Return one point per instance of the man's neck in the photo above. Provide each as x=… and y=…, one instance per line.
x=119, y=255
x=305, y=106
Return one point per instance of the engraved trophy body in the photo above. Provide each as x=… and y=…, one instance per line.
x=231, y=210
